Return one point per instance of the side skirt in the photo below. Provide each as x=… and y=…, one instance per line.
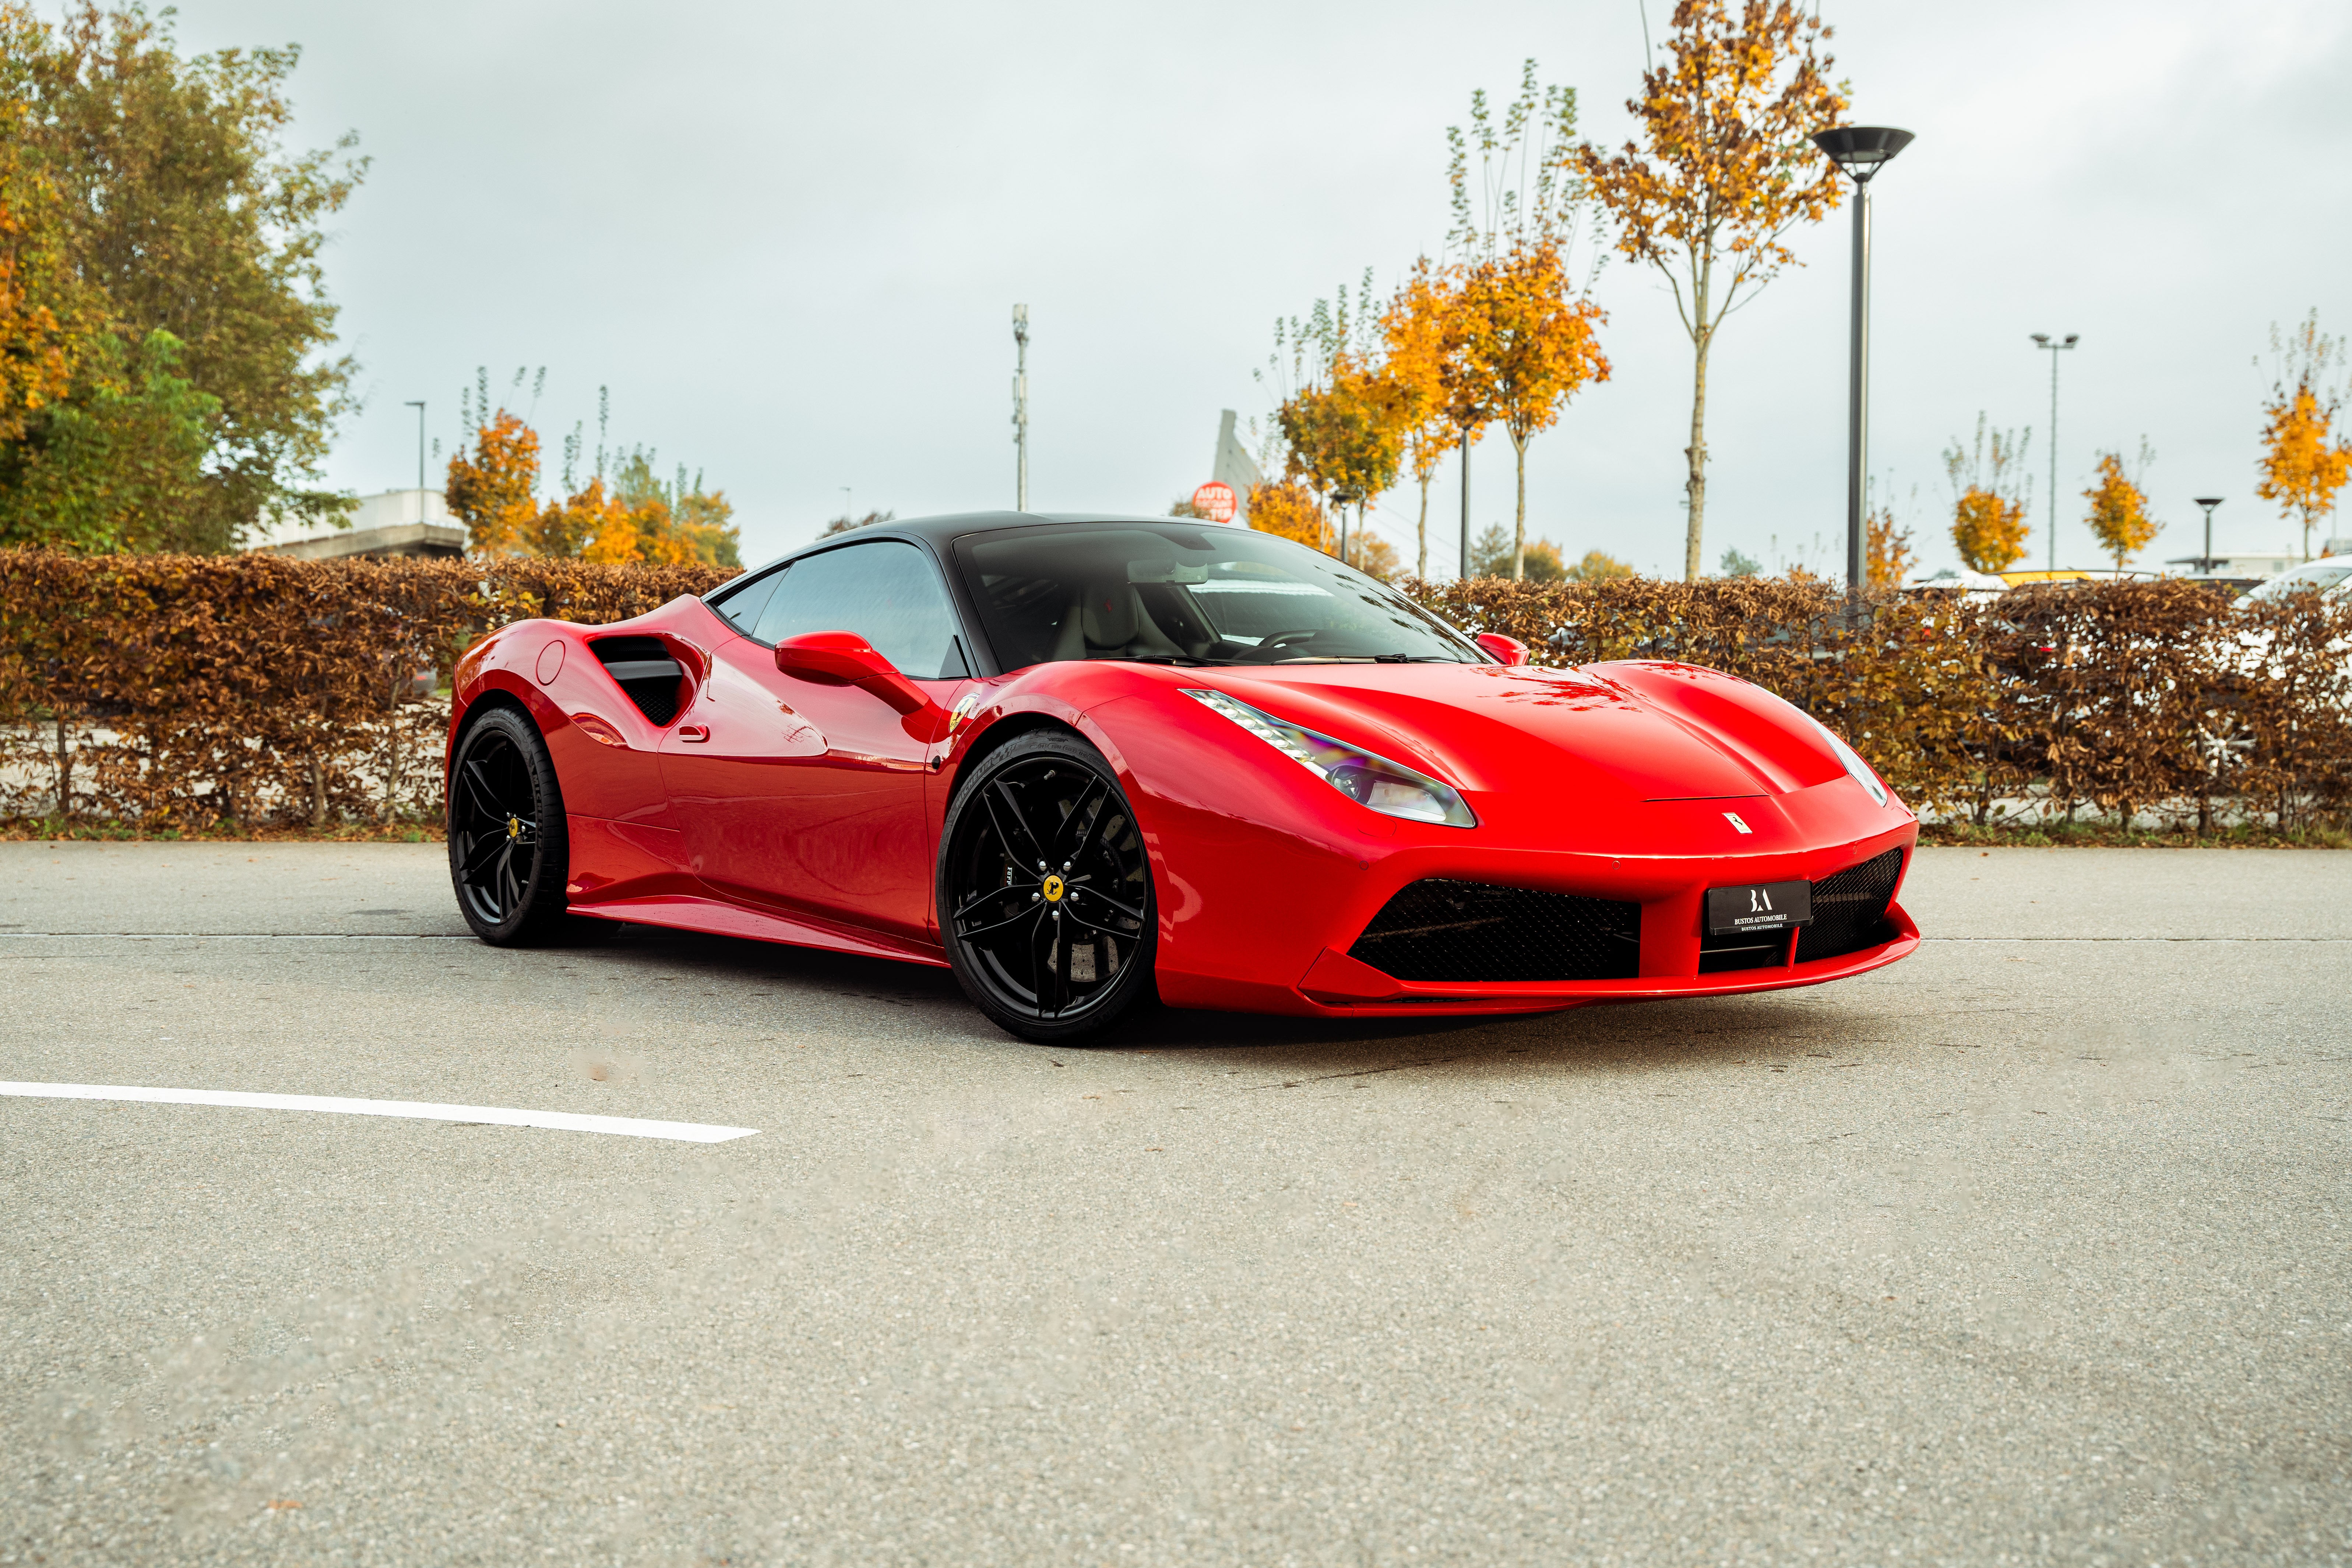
x=717, y=917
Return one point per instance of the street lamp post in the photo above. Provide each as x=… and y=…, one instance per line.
x=1860, y=151
x=2205, y=562
x=2055, y=347
x=1465, y=502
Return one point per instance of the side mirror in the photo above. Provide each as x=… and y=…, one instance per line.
x=1503, y=650
x=845, y=659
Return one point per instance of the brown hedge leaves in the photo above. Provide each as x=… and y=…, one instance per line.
x=185, y=690
x=170, y=690
x=2125, y=697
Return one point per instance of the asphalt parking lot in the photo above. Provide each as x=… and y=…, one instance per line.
x=2032, y=1248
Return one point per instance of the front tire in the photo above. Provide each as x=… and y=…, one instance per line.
x=1045, y=891
x=509, y=853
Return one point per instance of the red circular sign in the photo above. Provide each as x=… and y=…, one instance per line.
x=1216, y=498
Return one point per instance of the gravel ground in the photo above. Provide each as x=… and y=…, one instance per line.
x=2030, y=1248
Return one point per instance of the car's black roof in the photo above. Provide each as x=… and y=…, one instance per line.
x=936, y=532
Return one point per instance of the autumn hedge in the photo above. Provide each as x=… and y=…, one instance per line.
x=178, y=690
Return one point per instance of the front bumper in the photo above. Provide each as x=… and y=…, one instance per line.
x=1225, y=944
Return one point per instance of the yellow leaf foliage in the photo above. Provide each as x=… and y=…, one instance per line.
x=1529, y=337
x=493, y=488
x=2118, y=513
x=2302, y=466
x=1987, y=530
x=1422, y=331
x=1530, y=345
x=1731, y=162
x=1990, y=490
x=1347, y=438
x=1289, y=508
x=48, y=321
x=1888, y=555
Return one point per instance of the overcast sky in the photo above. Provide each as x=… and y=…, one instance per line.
x=788, y=237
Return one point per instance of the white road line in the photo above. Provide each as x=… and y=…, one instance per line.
x=560, y=1121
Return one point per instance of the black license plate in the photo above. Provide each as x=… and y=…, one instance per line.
x=1763, y=908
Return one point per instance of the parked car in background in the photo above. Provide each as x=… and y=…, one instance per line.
x=2330, y=576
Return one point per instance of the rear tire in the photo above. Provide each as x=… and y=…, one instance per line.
x=1045, y=891
x=510, y=854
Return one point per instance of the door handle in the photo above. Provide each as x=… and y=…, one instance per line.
x=694, y=732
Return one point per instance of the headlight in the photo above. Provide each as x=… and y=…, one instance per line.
x=1391, y=788
x=1853, y=762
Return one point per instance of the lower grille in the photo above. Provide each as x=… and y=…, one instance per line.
x=1849, y=908
x=1722, y=954
x=1439, y=930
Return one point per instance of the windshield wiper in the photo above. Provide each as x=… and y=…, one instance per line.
x=1184, y=658
x=1412, y=658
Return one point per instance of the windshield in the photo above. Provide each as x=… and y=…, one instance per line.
x=2317, y=577
x=1183, y=594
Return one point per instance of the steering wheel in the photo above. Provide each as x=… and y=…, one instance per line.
x=1284, y=640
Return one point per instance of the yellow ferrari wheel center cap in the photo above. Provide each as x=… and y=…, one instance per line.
x=1054, y=889
x=514, y=828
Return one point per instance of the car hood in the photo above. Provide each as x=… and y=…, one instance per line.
x=1620, y=732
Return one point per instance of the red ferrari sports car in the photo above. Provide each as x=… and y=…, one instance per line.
x=1085, y=760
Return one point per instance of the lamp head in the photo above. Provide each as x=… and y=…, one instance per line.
x=2210, y=503
x=1862, y=150
x=2074, y=338
x=2041, y=338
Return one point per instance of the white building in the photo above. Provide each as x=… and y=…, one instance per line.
x=2262, y=566
x=397, y=522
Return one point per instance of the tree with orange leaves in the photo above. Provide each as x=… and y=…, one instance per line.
x=2304, y=462
x=1346, y=437
x=1887, y=551
x=2118, y=514
x=1521, y=338
x=1287, y=508
x=1729, y=169
x=1532, y=338
x=1342, y=411
x=1421, y=328
x=1990, y=496
x=493, y=488
x=48, y=321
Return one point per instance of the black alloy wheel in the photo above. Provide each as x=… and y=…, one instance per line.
x=508, y=854
x=1045, y=891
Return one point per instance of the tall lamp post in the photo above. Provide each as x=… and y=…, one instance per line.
x=1860, y=151
x=2205, y=562
x=1465, y=502
x=2055, y=346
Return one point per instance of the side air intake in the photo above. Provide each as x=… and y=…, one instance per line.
x=1439, y=930
x=646, y=672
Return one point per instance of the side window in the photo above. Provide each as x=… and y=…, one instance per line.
x=886, y=592
x=742, y=606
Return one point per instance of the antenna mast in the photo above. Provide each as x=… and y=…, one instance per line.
x=1021, y=406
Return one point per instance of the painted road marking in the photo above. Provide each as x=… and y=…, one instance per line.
x=558, y=1121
